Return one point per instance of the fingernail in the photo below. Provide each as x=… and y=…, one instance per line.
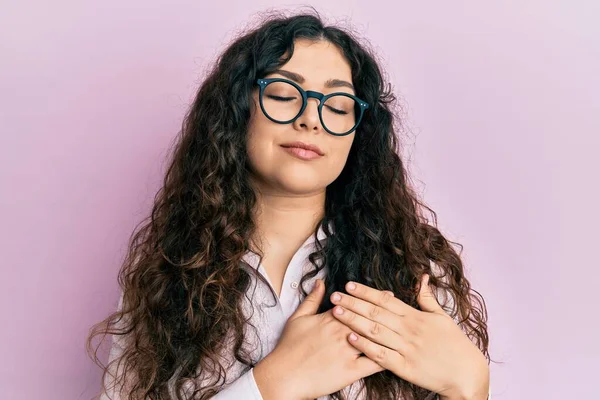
x=337, y=297
x=353, y=337
x=351, y=286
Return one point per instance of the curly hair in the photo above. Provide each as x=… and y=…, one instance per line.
x=181, y=280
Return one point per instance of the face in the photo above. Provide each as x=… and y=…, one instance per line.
x=274, y=166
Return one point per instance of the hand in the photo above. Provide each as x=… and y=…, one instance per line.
x=425, y=347
x=313, y=357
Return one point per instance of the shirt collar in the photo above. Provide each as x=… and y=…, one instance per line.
x=250, y=257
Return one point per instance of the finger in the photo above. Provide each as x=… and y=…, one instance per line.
x=383, y=356
x=382, y=298
x=368, y=310
x=311, y=303
x=364, y=366
x=375, y=331
x=426, y=298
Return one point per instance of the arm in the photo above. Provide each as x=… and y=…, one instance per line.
x=244, y=387
x=110, y=392
x=435, y=396
x=447, y=303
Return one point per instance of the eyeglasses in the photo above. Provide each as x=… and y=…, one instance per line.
x=283, y=101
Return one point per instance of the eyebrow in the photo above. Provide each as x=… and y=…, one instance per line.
x=330, y=83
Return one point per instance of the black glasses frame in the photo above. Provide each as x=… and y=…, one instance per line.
x=306, y=94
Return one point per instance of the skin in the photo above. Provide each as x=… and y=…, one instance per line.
x=424, y=347
x=291, y=192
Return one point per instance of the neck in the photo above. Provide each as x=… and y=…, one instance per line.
x=286, y=219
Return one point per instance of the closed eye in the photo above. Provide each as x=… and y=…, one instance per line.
x=336, y=111
x=278, y=98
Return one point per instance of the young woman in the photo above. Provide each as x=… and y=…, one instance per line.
x=286, y=200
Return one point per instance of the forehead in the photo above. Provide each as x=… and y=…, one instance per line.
x=318, y=61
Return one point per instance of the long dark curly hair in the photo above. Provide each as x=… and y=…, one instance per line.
x=181, y=280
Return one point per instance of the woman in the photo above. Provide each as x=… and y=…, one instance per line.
x=285, y=188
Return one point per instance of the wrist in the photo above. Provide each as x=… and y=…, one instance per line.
x=460, y=397
x=272, y=380
x=473, y=388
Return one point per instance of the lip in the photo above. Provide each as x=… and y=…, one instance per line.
x=306, y=146
x=302, y=154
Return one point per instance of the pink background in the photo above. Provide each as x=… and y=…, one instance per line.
x=502, y=102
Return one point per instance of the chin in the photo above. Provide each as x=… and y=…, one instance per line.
x=302, y=187
x=300, y=182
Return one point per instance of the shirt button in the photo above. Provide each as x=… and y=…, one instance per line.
x=294, y=285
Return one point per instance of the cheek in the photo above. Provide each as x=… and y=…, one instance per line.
x=339, y=156
x=280, y=169
x=260, y=136
x=258, y=124
x=257, y=150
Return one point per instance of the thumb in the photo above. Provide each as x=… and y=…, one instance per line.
x=311, y=303
x=426, y=298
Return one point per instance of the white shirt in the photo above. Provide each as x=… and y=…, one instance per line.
x=269, y=316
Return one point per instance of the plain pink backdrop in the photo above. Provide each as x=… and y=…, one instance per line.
x=502, y=111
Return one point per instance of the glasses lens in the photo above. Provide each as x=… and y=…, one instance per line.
x=282, y=101
x=340, y=113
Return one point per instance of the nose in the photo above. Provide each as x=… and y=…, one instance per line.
x=310, y=115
